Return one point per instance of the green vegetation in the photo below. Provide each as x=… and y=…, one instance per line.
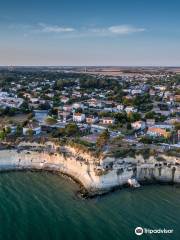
x=103, y=139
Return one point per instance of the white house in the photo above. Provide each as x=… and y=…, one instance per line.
x=150, y=122
x=120, y=107
x=64, y=99
x=79, y=117
x=136, y=91
x=32, y=126
x=138, y=125
x=130, y=109
x=78, y=105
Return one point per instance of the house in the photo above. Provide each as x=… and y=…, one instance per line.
x=93, y=102
x=11, y=102
x=150, y=122
x=32, y=126
x=159, y=87
x=164, y=125
x=130, y=109
x=4, y=94
x=40, y=115
x=64, y=99
x=91, y=119
x=172, y=120
x=34, y=100
x=120, y=107
x=96, y=128
x=79, y=117
x=138, y=125
x=136, y=91
x=64, y=116
x=12, y=128
x=107, y=120
x=67, y=108
x=78, y=105
x=158, y=132
x=177, y=98
x=152, y=92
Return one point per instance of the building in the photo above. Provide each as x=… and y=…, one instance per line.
x=32, y=126
x=91, y=119
x=107, y=120
x=130, y=109
x=64, y=99
x=150, y=122
x=40, y=115
x=64, y=116
x=136, y=91
x=11, y=102
x=12, y=128
x=138, y=125
x=120, y=107
x=158, y=132
x=67, y=108
x=79, y=117
x=78, y=105
x=177, y=98
x=96, y=128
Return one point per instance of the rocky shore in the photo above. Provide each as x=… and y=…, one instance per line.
x=95, y=176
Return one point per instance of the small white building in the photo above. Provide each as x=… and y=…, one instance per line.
x=120, y=107
x=150, y=122
x=32, y=126
x=130, y=109
x=79, y=117
x=78, y=105
x=136, y=91
x=138, y=125
x=64, y=99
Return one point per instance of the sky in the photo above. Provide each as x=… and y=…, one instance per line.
x=90, y=32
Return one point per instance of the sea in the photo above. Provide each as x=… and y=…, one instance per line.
x=47, y=206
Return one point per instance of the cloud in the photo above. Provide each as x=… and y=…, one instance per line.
x=54, y=28
x=117, y=30
x=125, y=29
x=71, y=32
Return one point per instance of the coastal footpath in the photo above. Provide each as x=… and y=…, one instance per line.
x=96, y=175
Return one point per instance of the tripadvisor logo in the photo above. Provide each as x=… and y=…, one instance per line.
x=139, y=231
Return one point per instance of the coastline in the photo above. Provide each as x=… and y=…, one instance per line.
x=90, y=184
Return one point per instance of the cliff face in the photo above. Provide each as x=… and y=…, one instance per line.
x=158, y=173
x=95, y=175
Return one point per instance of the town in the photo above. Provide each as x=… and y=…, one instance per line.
x=114, y=113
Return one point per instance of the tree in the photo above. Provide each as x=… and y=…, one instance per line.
x=177, y=126
x=25, y=107
x=133, y=116
x=30, y=132
x=44, y=106
x=103, y=139
x=146, y=140
x=2, y=135
x=71, y=129
x=18, y=130
x=51, y=121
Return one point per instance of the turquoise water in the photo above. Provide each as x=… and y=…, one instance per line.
x=45, y=206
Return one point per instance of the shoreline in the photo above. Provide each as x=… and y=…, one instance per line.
x=84, y=173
